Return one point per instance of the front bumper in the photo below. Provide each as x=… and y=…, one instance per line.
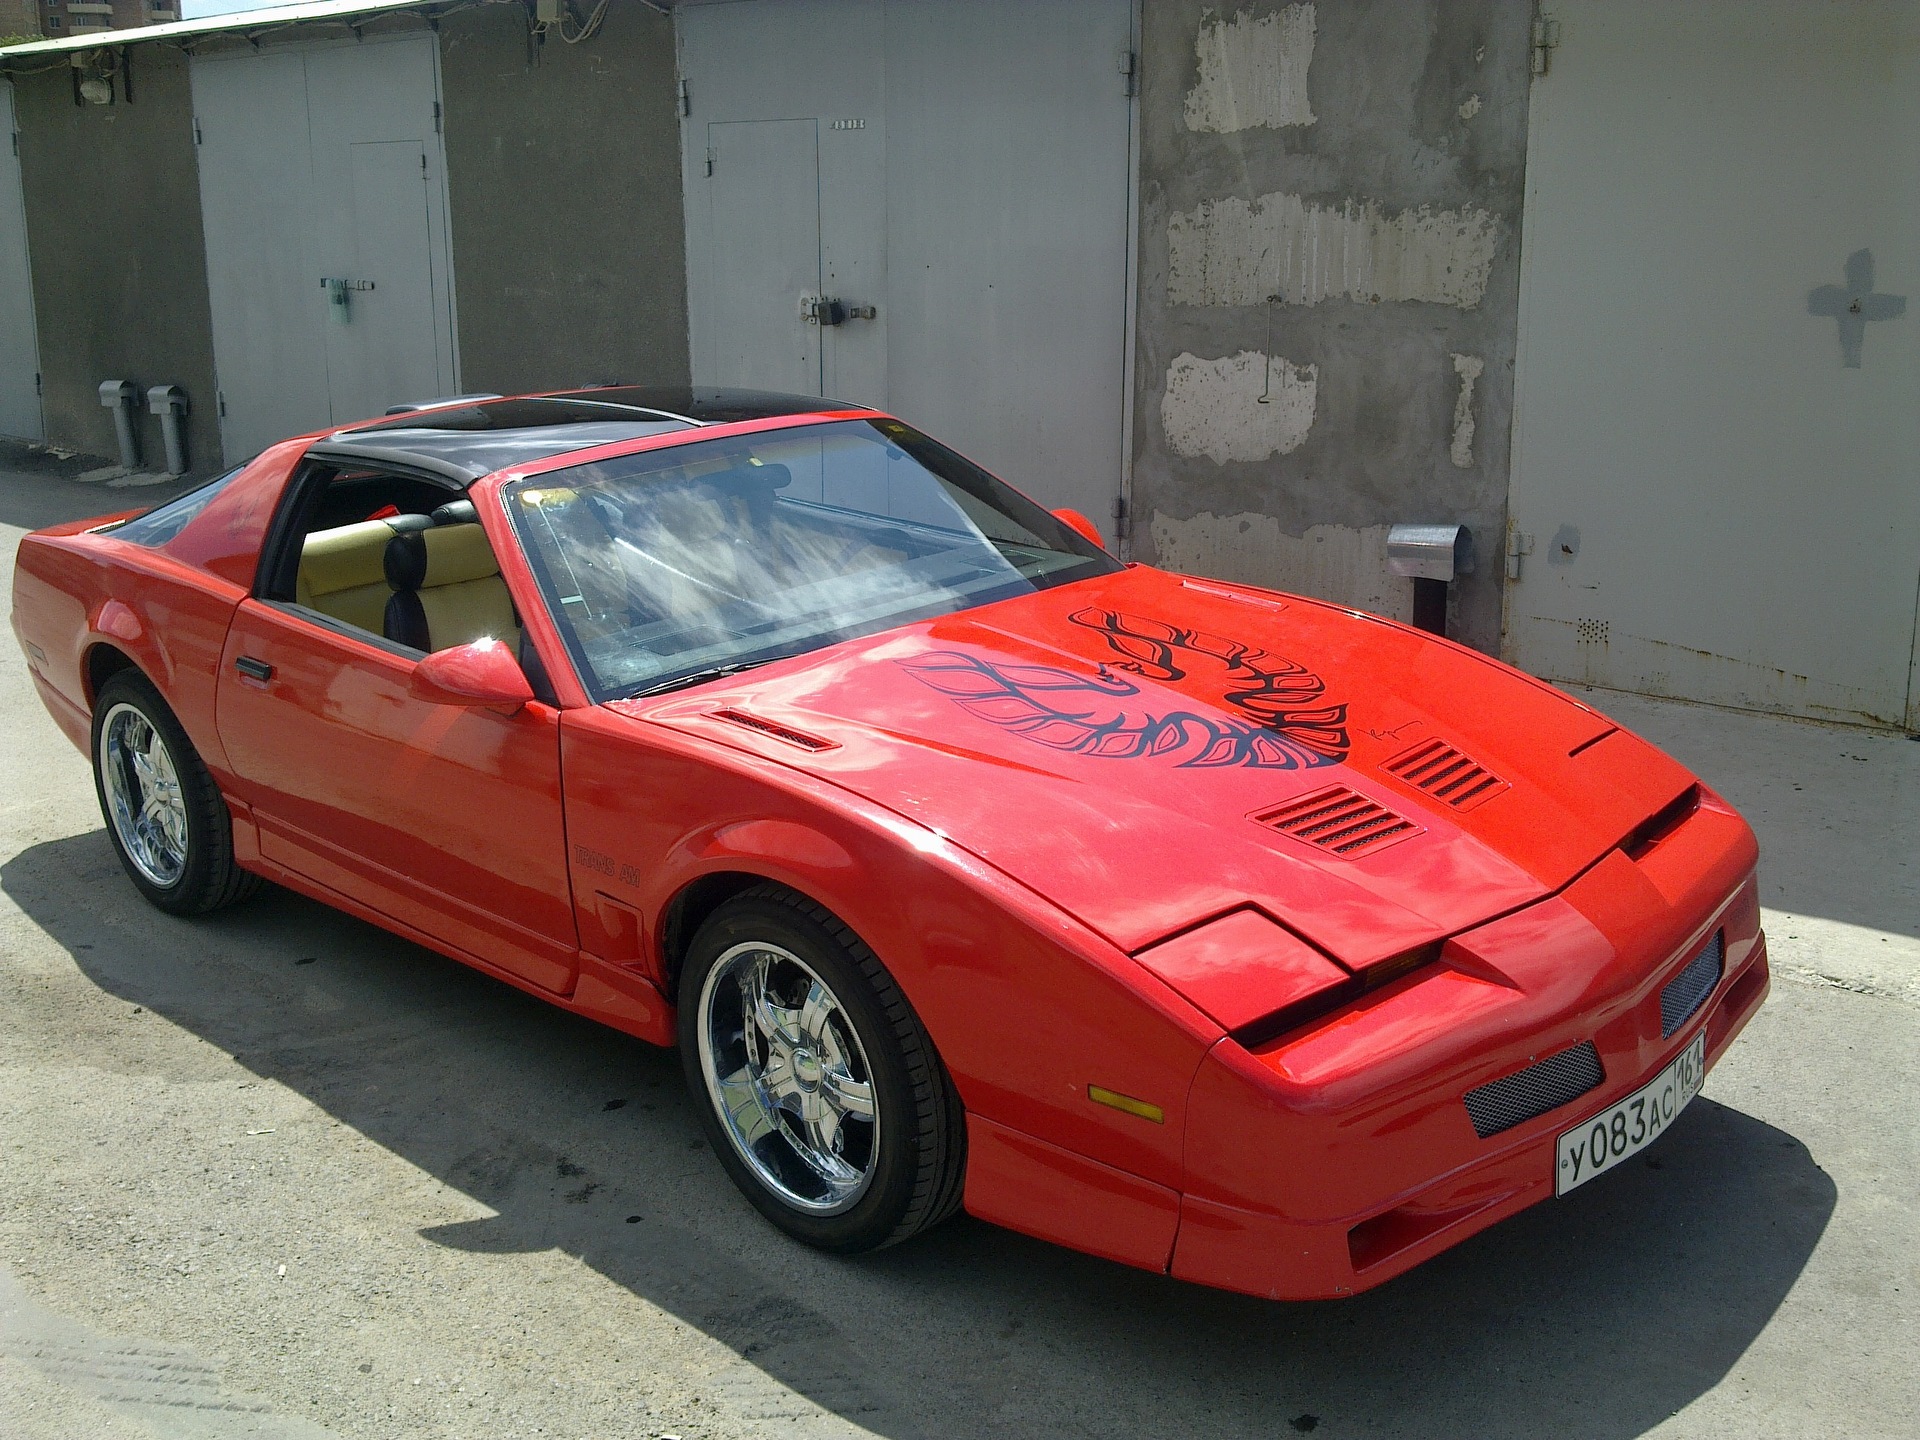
x=1332, y=1161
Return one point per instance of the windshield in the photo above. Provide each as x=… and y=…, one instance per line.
x=667, y=566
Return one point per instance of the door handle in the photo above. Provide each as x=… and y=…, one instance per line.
x=258, y=669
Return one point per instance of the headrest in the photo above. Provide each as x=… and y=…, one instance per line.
x=456, y=512
x=345, y=557
x=444, y=555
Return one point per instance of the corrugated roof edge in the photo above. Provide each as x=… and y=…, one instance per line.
x=239, y=22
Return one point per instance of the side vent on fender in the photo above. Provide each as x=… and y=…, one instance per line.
x=1437, y=769
x=777, y=731
x=1340, y=821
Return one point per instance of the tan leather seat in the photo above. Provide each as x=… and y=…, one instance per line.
x=447, y=590
x=343, y=573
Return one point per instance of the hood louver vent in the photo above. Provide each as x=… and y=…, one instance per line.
x=777, y=731
x=1341, y=822
x=1437, y=769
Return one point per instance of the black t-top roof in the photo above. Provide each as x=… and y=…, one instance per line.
x=465, y=441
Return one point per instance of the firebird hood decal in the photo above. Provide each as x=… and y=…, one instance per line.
x=1109, y=743
x=1107, y=716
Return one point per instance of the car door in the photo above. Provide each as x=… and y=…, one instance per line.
x=445, y=818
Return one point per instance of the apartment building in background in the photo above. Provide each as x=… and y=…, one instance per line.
x=60, y=18
x=20, y=17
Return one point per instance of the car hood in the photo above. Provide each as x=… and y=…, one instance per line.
x=1148, y=751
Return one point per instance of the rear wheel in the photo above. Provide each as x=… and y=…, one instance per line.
x=819, y=1089
x=164, y=814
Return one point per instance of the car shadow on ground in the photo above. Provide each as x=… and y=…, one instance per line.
x=1596, y=1316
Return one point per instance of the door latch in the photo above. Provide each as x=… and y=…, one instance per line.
x=339, y=292
x=825, y=310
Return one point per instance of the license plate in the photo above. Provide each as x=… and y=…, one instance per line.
x=1629, y=1127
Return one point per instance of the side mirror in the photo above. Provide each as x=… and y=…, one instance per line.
x=1082, y=524
x=481, y=673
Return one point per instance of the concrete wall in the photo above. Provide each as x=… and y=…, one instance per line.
x=1364, y=161
x=563, y=164
x=119, y=267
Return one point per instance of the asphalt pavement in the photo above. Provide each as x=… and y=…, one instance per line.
x=278, y=1174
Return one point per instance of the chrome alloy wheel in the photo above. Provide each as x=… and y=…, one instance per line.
x=144, y=800
x=788, y=1078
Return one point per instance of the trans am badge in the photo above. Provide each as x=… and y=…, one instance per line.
x=1287, y=725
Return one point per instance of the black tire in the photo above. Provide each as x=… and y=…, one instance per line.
x=208, y=878
x=919, y=1165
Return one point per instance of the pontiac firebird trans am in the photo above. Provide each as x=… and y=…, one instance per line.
x=1229, y=934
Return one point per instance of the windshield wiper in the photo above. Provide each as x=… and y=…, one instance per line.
x=698, y=677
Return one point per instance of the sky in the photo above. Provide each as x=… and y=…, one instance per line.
x=194, y=9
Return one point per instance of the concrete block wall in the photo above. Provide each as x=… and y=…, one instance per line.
x=563, y=170
x=112, y=198
x=1328, y=289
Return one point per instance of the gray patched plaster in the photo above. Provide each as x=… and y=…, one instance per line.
x=1416, y=152
x=1854, y=304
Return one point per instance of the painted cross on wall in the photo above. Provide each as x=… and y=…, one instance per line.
x=1853, y=305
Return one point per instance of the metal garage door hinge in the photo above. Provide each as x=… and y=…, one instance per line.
x=436, y=117
x=1546, y=39
x=220, y=399
x=16, y=142
x=1517, y=545
x=709, y=160
x=1122, y=517
x=36, y=384
x=1130, y=70
x=686, y=98
x=196, y=129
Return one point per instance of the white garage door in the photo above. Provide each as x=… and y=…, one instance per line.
x=1717, y=443
x=19, y=351
x=959, y=167
x=322, y=188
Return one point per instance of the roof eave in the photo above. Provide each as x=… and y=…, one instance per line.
x=240, y=23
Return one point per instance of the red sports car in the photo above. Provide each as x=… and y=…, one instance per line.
x=1225, y=933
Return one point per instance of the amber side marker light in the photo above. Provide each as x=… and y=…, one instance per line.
x=1114, y=1100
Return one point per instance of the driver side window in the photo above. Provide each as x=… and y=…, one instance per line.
x=402, y=559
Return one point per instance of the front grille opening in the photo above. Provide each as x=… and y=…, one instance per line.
x=1688, y=990
x=1340, y=821
x=1437, y=769
x=773, y=728
x=1544, y=1085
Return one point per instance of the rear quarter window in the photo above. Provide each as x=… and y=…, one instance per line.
x=164, y=522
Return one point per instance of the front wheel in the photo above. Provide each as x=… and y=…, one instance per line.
x=818, y=1088
x=164, y=814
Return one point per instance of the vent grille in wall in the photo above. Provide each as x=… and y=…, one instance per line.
x=1341, y=822
x=1591, y=632
x=775, y=729
x=1435, y=767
